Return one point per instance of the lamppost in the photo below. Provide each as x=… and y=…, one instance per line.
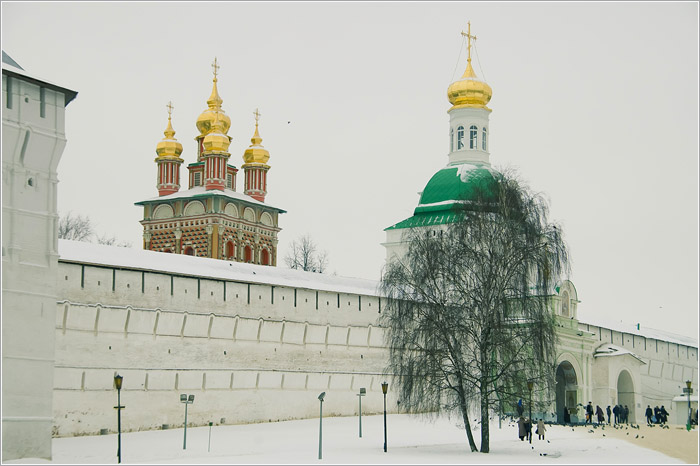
x=320, y=423
x=188, y=400
x=118, y=384
x=529, y=387
x=688, y=390
x=362, y=393
x=385, y=387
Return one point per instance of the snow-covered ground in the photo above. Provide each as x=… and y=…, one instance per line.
x=411, y=440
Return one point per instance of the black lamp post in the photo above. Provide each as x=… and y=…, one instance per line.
x=689, y=390
x=118, y=385
x=188, y=400
x=362, y=393
x=320, y=424
x=529, y=387
x=385, y=387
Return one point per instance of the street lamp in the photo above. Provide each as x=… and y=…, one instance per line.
x=385, y=387
x=320, y=423
x=188, y=400
x=362, y=393
x=529, y=387
x=688, y=390
x=118, y=385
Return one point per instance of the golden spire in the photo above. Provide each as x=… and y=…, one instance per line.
x=214, y=100
x=256, y=153
x=469, y=91
x=169, y=146
x=205, y=122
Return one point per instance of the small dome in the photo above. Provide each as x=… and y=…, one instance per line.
x=205, y=121
x=256, y=153
x=469, y=91
x=456, y=184
x=216, y=140
x=169, y=146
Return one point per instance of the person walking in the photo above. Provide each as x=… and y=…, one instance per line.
x=521, y=428
x=657, y=416
x=607, y=410
x=648, y=413
x=616, y=412
x=599, y=414
x=589, y=413
x=567, y=416
x=664, y=415
x=541, y=429
x=627, y=415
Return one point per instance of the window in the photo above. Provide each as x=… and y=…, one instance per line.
x=229, y=181
x=248, y=254
x=265, y=259
x=189, y=251
x=565, y=304
x=472, y=137
x=197, y=178
x=460, y=136
x=483, y=138
x=452, y=142
x=229, y=250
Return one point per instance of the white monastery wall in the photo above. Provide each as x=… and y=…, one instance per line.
x=249, y=352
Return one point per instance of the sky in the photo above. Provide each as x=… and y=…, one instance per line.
x=410, y=440
x=595, y=104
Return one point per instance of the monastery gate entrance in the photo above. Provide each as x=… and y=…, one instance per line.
x=565, y=389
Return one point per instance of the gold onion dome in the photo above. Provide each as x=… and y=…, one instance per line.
x=169, y=146
x=256, y=153
x=217, y=140
x=206, y=119
x=469, y=91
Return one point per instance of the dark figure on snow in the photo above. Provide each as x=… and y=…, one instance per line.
x=528, y=427
x=521, y=429
x=607, y=410
x=648, y=414
x=541, y=429
x=657, y=416
x=519, y=407
x=567, y=416
x=599, y=413
x=627, y=415
x=616, y=412
x=664, y=415
x=589, y=413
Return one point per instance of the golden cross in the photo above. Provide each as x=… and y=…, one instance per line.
x=215, y=67
x=257, y=116
x=170, y=108
x=469, y=37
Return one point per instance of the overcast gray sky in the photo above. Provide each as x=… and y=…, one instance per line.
x=595, y=104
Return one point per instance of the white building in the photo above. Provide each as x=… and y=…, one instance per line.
x=33, y=139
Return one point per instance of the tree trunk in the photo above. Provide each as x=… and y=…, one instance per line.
x=467, y=426
x=484, y=420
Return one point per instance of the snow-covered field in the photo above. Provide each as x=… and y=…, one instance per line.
x=411, y=440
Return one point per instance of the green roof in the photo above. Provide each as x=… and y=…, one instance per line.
x=454, y=184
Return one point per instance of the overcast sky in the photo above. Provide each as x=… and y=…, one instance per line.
x=595, y=104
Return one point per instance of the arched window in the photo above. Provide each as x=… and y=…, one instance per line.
x=452, y=137
x=460, y=137
x=483, y=138
x=189, y=251
x=248, y=254
x=265, y=257
x=229, y=250
x=565, y=304
x=472, y=137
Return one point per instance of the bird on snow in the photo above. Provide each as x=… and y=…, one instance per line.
x=603, y=435
x=637, y=436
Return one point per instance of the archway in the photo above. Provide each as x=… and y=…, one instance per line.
x=265, y=257
x=625, y=393
x=248, y=254
x=189, y=251
x=566, y=385
x=229, y=250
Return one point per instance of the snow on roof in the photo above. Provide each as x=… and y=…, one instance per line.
x=608, y=349
x=10, y=66
x=113, y=256
x=201, y=191
x=645, y=332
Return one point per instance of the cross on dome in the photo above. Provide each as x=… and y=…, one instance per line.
x=469, y=37
x=215, y=67
x=170, y=109
x=257, y=115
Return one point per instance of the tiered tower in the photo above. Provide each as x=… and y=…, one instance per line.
x=211, y=219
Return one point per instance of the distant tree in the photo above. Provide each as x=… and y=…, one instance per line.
x=78, y=227
x=305, y=255
x=75, y=227
x=468, y=317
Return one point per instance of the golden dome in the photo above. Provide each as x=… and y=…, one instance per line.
x=469, y=91
x=256, y=153
x=217, y=140
x=205, y=122
x=169, y=146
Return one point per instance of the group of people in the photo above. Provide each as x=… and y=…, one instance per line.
x=657, y=416
x=621, y=414
x=525, y=429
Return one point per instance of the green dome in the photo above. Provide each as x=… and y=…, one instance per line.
x=449, y=186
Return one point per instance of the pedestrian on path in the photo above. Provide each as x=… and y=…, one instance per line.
x=541, y=429
x=607, y=410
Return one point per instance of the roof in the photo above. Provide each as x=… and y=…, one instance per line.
x=608, y=350
x=200, y=191
x=642, y=331
x=113, y=256
x=12, y=68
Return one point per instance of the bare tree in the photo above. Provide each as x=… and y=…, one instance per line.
x=305, y=255
x=468, y=318
x=75, y=227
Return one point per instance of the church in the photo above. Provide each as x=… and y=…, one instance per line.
x=204, y=310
